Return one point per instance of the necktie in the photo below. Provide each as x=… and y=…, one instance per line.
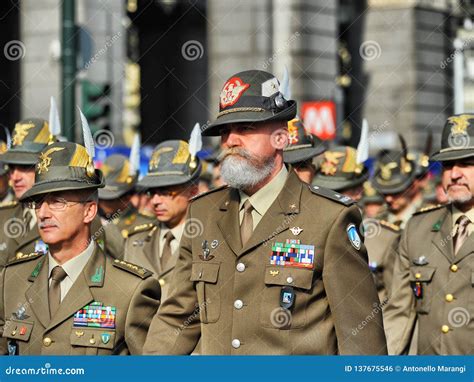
x=246, y=228
x=166, y=253
x=57, y=275
x=461, y=233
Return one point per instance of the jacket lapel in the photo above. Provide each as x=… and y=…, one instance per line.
x=80, y=295
x=278, y=217
x=466, y=249
x=37, y=294
x=229, y=222
x=442, y=239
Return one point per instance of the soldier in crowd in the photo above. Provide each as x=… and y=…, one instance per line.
x=372, y=202
x=395, y=178
x=277, y=266
x=50, y=301
x=6, y=193
x=433, y=278
x=19, y=234
x=171, y=181
x=302, y=149
x=339, y=170
x=115, y=205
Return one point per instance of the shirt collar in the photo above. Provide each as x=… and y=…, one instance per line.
x=73, y=267
x=176, y=231
x=457, y=213
x=263, y=198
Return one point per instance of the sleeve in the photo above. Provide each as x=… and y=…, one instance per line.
x=176, y=329
x=351, y=291
x=399, y=314
x=389, y=261
x=143, y=306
x=3, y=341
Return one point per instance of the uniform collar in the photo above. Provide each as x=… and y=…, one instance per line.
x=457, y=213
x=176, y=231
x=73, y=267
x=263, y=198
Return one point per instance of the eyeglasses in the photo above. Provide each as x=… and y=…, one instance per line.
x=54, y=204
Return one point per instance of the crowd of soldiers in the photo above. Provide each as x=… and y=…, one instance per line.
x=280, y=244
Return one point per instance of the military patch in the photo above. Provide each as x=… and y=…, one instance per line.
x=332, y=195
x=132, y=268
x=422, y=260
x=292, y=133
x=429, y=208
x=391, y=226
x=105, y=338
x=292, y=254
x=232, y=91
x=95, y=315
x=45, y=159
x=21, y=257
x=98, y=275
x=354, y=237
x=296, y=230
x=21, y=131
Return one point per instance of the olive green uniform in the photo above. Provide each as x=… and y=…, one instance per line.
x=114, y=284
x=229, y=296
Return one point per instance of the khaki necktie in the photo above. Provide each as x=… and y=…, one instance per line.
x=246, y=228
x=58, y=274
x=462, y=232
x=166, y=253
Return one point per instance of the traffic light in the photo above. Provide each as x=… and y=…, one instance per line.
x=96, y=104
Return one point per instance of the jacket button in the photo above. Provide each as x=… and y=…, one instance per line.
x=289, y=280
x=240, y=267
x=47, y=341
x=235, y=343
x=238, y=304
x=449, y=297
x=417, y=275
x=445, y=328
x=454, y=268
x=162, y=282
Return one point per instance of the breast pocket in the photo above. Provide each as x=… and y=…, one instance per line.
x=272, y=315
x=205, y=276
x=420, y=281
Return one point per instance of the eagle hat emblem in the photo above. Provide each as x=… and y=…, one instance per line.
x=460, y=123
x=45, y=159
x=232, y=91
x=21, y=131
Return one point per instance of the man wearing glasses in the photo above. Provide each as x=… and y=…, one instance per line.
x=74, y=299
x=172, y=179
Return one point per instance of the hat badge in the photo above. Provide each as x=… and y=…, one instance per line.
x=232, y=91
x=21, y=131
x=331, y=160
x=460, y=123
x=386, y=170
x=45, y=159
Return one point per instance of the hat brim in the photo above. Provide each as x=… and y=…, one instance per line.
x=386, y=189
x=339, y=183
x=20, y=158
x=50, y=186
x=156, y=181
x=213, y=129
x=107, y=193
x=448, y=155
x=300, y=155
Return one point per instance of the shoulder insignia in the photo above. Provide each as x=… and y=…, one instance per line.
x=333, y=195
x=22, y=257
x=139, y=228
x=5, y=205
x=390, y=226
x=208, y=192
x=429, y=208
x=132, y=268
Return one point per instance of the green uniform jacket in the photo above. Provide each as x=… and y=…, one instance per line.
x=444, y=308
x=114, y=283
x=142, y=247
x=230, y=299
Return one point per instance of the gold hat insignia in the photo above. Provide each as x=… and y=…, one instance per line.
x=45, y=159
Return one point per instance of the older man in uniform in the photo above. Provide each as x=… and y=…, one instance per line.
x=277, y=266
x=171, y=181
x=302, y=149
x=75, y=299
x=433, y=276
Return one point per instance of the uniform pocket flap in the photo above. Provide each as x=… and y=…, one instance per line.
x=18, y=329
x=296, y=277
x=92, y=337
x=422, y=274
x=206, y=272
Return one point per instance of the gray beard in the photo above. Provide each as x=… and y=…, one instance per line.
x=459, y=200
x=241, y=174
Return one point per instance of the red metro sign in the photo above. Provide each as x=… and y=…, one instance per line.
x=320, y=118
